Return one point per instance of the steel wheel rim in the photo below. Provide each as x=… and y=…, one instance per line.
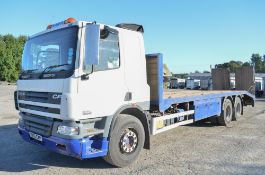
x=129, y=141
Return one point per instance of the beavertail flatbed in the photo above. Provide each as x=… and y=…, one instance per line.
x=194, y=104
x=164, y=98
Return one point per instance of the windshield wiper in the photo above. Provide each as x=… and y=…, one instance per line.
x=25, y=72
x=49, y=68
x=28, y=71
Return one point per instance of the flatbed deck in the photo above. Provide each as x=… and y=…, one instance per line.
x=174, y=96
x=180, y=93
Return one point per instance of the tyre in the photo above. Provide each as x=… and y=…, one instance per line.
x=237, y=112
x=227, y=113
x=126, y=141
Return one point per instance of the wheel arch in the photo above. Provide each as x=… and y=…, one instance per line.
x=139, y=113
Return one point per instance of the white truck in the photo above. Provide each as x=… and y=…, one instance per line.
x=192, y=84
x=89, y=90
x=177, y=83
x=259, y=86
x=206, y=84
x=232, y=83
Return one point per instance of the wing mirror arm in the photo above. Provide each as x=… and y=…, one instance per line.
x=85, y=76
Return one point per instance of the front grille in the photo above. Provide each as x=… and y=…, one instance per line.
x=47, y=102
x=37, y=110
x=42, y=97
x=40, y=108
x=38, y=124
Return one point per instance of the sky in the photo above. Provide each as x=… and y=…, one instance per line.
x=191, y=34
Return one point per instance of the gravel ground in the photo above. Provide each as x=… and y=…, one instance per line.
x=200, y=148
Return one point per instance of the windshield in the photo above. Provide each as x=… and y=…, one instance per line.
x=54, y=48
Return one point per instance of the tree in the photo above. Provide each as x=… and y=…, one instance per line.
x=257, y=62
x=231, y=65
x=246, y=64
x=263, y=64
x=11, y=49
x=183, y=75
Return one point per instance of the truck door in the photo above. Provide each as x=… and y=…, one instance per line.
x=104, y=89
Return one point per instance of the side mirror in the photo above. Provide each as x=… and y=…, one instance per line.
x=92, y=44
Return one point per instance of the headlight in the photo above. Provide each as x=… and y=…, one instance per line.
x=68, y=130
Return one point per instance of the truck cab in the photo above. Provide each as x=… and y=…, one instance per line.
x=75, y=77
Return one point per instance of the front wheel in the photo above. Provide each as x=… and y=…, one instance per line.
x=126, y=141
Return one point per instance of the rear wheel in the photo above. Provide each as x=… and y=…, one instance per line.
x=227, y=112
x=237, y=112
x=126, y=141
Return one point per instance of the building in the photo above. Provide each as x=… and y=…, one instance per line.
x=199, y=76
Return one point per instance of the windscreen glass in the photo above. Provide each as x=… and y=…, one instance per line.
x=50, y=49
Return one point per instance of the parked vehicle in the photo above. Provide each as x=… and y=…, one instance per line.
x=177, y=83
x=192, y=84
x=206, y=84
x=65, y=105
x=259, y=86
x=232, y=83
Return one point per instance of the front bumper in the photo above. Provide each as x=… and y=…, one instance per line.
x=79, y=148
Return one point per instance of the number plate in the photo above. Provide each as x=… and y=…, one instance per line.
x=35, y=136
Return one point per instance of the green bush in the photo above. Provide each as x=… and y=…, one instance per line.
x=11, y=49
